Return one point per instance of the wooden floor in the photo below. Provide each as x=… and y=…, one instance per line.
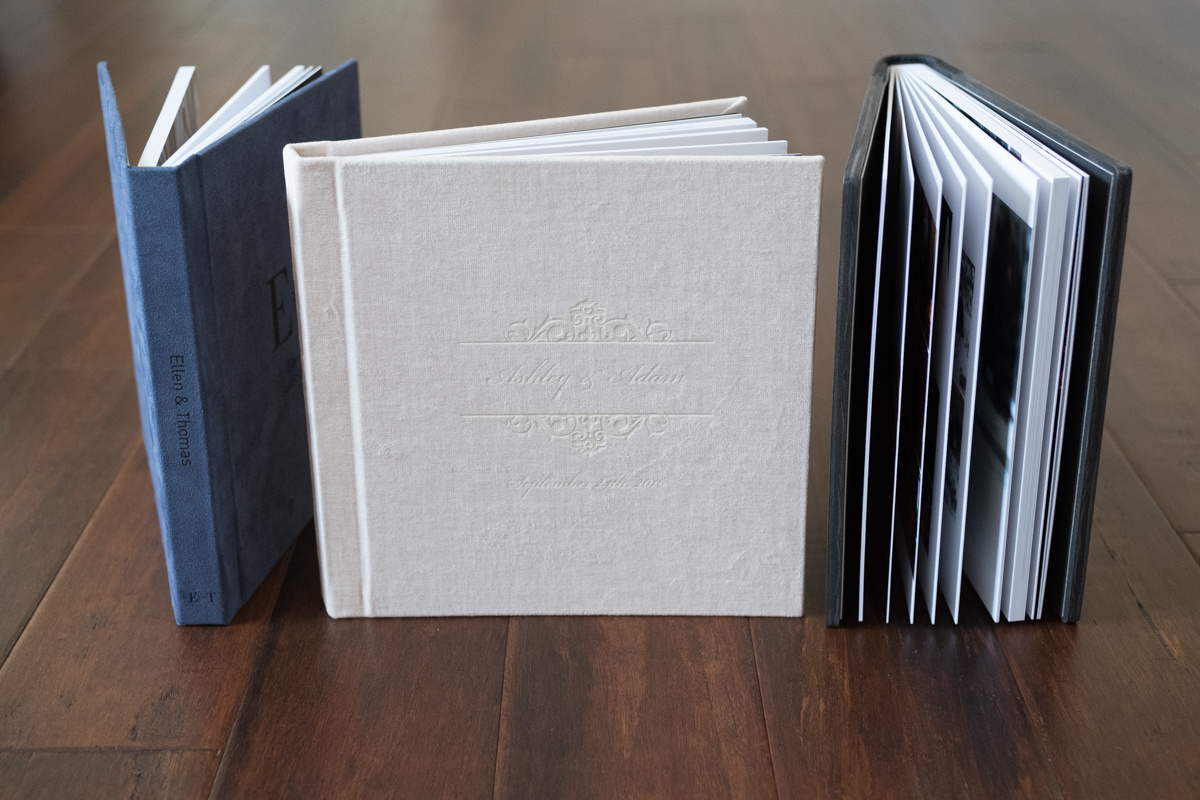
x=101, y=695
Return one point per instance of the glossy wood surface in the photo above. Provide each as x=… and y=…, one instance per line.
x=101, y=695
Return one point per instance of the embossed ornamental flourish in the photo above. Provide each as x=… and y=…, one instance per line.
x=588, y=433
x=588, y=321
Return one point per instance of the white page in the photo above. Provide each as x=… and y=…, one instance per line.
x=586, y=145
x=292, y=79
x=976, y=226
x=907, y=186
x=914, y=449
x=772, y=148
x=1054, y=188
x=723, y=122
x=1054, y=352
x=1056, y=383
x=941, y=377
x=250, y=91
x=883, y=194
x=1051, y=353
x=1063, y=384
x=1041, y=299
x=720, y=122
x=1014, y=212
x=176, y=119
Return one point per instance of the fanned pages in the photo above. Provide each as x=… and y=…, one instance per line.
x=996, y=232
x=233, y=109
x=175, y=122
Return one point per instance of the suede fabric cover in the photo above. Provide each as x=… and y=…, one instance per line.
x=207, y=267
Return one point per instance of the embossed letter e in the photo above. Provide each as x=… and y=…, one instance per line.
x=279, y=314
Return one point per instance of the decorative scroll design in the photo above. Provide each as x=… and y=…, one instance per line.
x=588, y=321
x=588, y=433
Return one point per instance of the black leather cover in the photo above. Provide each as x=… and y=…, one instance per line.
x=1104, y=244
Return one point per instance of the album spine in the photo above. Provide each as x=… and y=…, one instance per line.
x=163, y=220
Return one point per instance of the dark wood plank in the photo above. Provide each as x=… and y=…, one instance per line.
x=896, y=711
x=89, y=327
x=37, y=269
x=804, y=45
x=48, y=87
x=632, y=707
x=352, y=708
x=65, y=434
x=69, y=188
x=1190, y=289
x=1117, y=696
x=592, y=706
x=509, y=67
x=45, y=95
x=1153, y=402
x=405, y=66
x=140, y=774
x=1151, y=67
x=53, y=164
x=980, y=25
x=102, y=663
x=1192, y=540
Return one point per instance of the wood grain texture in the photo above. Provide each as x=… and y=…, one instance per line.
x=88, y=328
x=38, y=268
x=1190, y=289
x=114, y=774
x=1117, y=696
x=289, y=702
x=1192, y=540
x=897, y=711
x=1153, y=402
x=357, y=708
x=632, y=707
x=64, y=435
x=102, y=663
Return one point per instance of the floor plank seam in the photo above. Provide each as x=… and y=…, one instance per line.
x=1166, y=644
x=55, y=227
x=111, y=749
x=1117, y=442
x=500, y=716
x=1167, y=283
x=44, y=369
x=1034, y=716
x=762, y=705
x=88, y=262
x=1121, y=450
x=254, y=684
x=1162, y=143
x=130, y=454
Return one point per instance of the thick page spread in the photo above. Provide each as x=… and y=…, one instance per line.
x=556, y=384
x=1033, y=327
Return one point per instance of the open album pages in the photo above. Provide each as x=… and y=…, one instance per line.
x=976, y=283
x=561, y=366
x=175, y=135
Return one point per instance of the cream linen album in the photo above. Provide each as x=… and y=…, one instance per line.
x=552, y=374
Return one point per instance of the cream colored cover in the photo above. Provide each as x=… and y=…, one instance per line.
x=556, y=385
